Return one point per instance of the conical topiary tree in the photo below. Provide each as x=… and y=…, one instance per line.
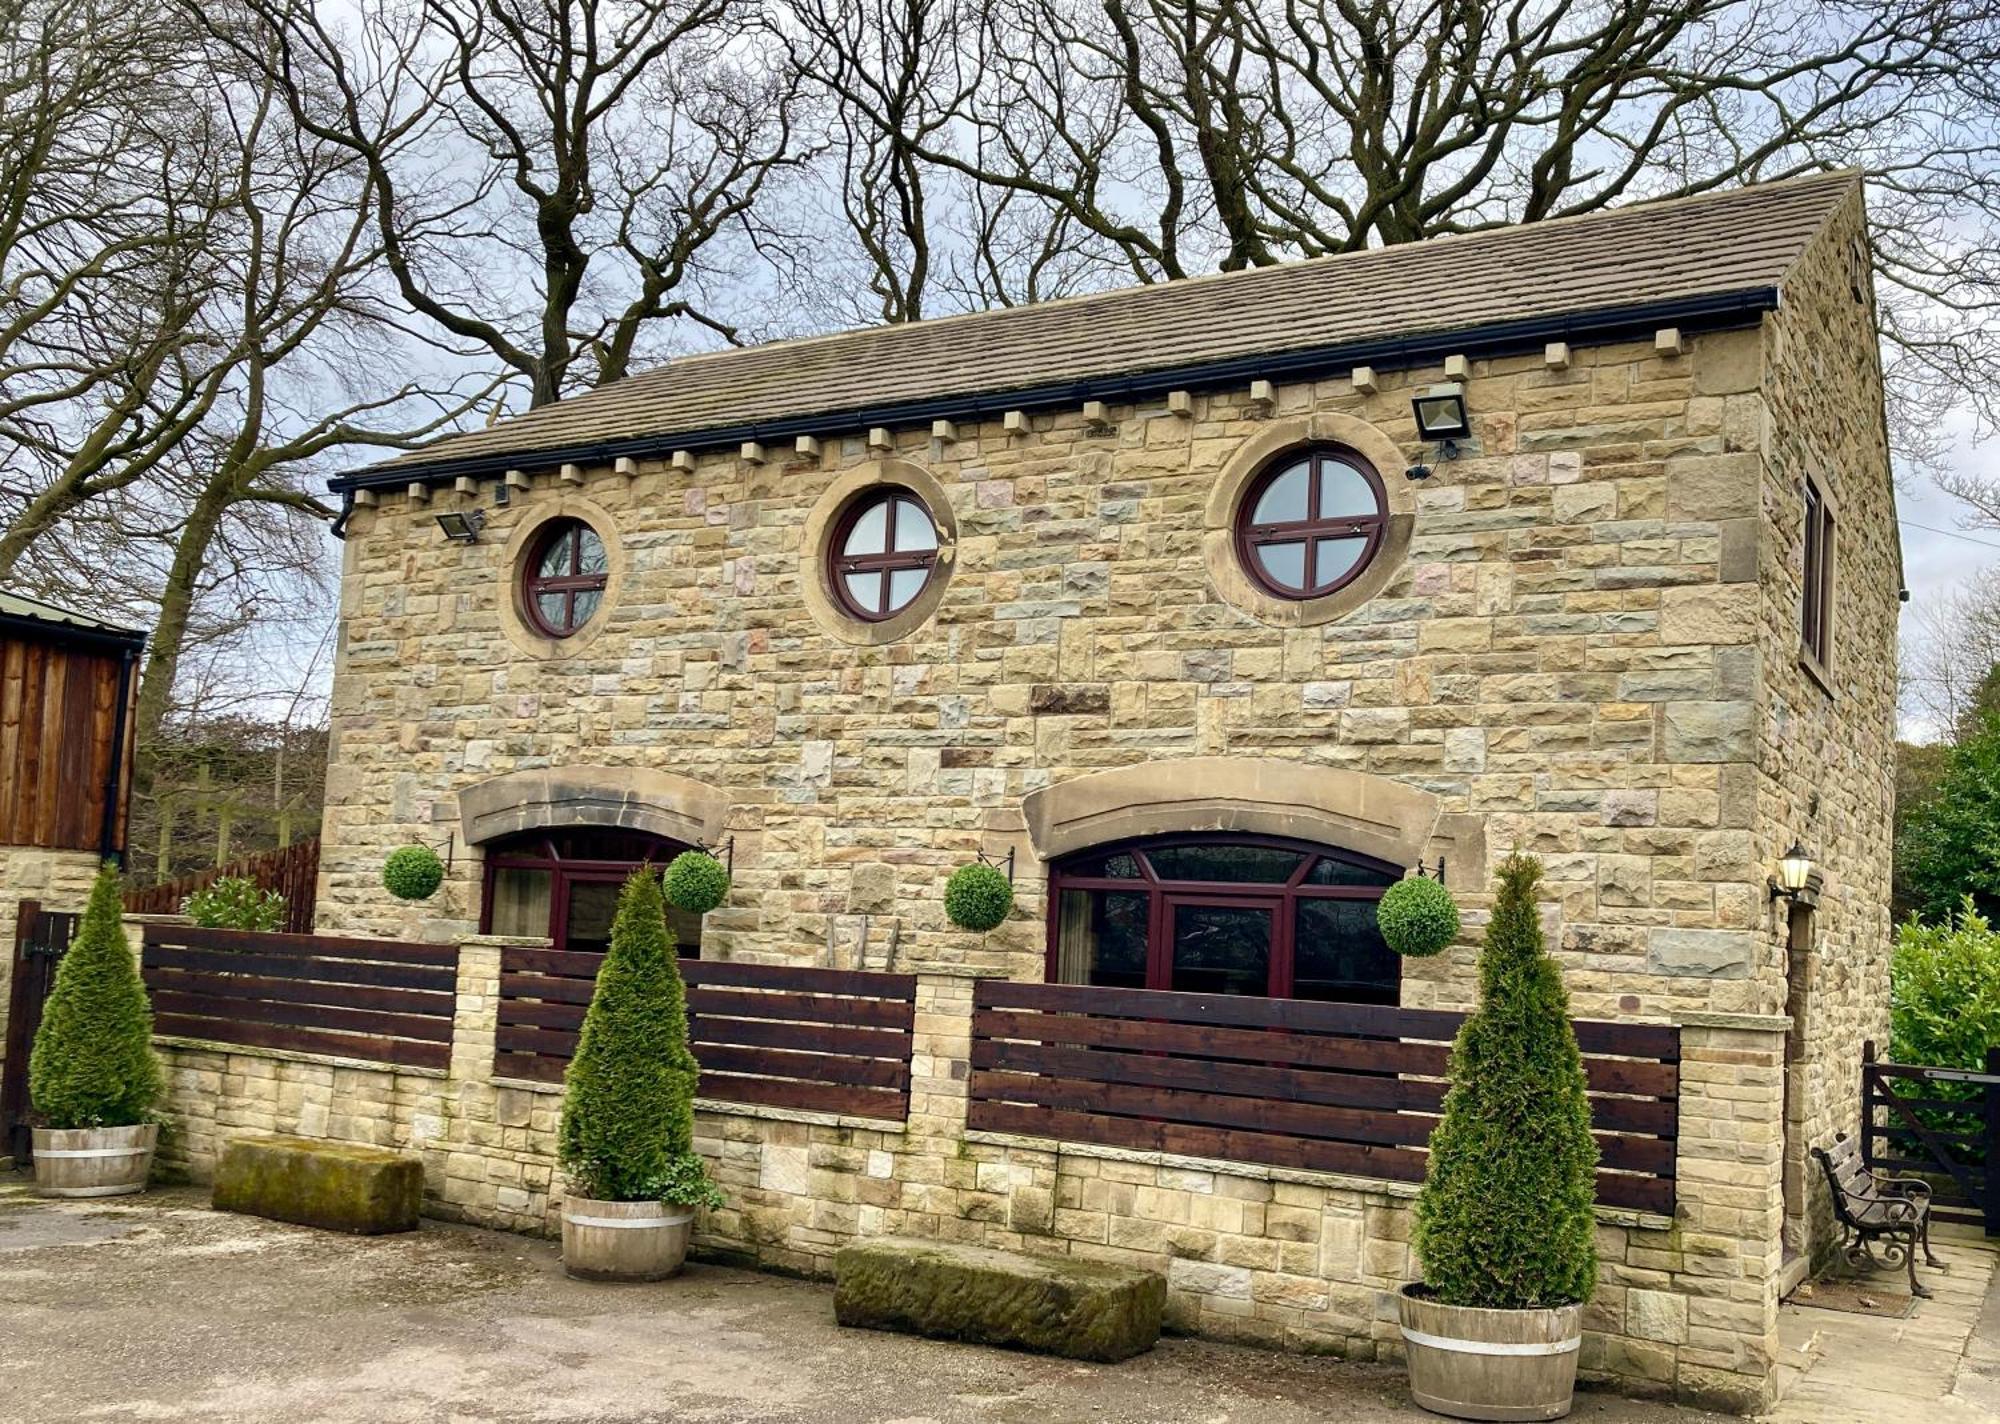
x=1505, y=1219
x=92, y=1064
x=628, y=1108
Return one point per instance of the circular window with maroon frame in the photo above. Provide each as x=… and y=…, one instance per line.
x=1311, y=523
x=563, y=584
x=884, y=553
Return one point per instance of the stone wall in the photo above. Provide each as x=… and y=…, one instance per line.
x=1292, y=1259
x=1828, y=746
x=59, y=879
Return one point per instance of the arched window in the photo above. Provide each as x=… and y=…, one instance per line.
x=1311, y=523
x=563, y=582
x=564, y=884
x=1223, y=914
x=884, y=552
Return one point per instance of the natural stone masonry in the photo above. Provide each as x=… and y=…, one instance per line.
x=1084, y=1310
x=1586, y=647
x=314, y=1182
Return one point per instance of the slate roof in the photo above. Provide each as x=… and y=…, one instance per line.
x=1720, y=253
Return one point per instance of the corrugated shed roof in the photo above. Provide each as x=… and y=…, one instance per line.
x=1716, y=245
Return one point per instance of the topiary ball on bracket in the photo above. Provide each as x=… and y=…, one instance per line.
x=1417, y=917
x=696, y=882
x=978, y=897
x=412, y=872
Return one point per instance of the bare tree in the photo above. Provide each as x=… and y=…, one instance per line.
x=551, y=179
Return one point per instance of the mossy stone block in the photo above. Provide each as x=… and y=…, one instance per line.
x=341, y=1186
x=1083, y=1310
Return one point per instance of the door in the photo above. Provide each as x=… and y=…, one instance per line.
x=1220, y=945
x=40, y=937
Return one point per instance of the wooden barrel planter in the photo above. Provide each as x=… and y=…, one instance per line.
x=1472, y=1363
x=624, y=1241
x=94, y=1161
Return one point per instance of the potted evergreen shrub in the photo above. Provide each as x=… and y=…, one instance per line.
x=91, y=1075
x=626, y=1140
x=1505, y=1227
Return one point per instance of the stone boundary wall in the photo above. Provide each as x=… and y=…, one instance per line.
x=1296, y=1260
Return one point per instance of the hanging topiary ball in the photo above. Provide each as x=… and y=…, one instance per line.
x=978, y=897
x=696, y=882
x=1417, y=917
x=412, y=872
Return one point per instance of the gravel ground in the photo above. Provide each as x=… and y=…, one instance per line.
x=157, y=1309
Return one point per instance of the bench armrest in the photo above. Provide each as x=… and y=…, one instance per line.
x=1912, y=1187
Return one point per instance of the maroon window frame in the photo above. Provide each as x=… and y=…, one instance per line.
x=880, y=566
x=584, y=855
x=1281, y=898
x=1315, y=529
x=566, y=539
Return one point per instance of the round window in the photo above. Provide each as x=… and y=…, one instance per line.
x=563, y=583
x=1311, y=523
x=884, y=552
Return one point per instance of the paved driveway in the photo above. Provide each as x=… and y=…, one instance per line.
x=156, y=1309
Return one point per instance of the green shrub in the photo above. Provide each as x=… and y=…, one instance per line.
x=1417, y=917
x=92, y=1064
x=1505, y=1218
x=412, y=872
x=628, y=1104
x=1948, y=844
x=696, y=882
x=978, y=897
x=235, y=902
x=1944, y=1012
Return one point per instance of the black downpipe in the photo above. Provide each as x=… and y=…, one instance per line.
x=107, y=835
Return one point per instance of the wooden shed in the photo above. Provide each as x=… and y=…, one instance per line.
x=68, y=684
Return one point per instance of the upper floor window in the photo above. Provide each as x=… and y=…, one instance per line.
x=1816, y=602
x=564, y=580
x=1311, y=523
x=884, y=552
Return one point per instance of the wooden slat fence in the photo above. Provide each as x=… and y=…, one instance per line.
x=292, y=871
x=1349, y=1088
x=391, y=1001
x=826, y=1040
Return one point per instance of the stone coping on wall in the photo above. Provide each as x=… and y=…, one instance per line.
x=292, y=1055
x=718, y=1105
x=1260, y=1172
x=1751, y=1023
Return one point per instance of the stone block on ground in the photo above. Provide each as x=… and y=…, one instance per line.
x=1083, y=1310
x=340, y=1186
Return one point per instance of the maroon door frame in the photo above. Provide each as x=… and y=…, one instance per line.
x=1171, y=903
x=564, y=870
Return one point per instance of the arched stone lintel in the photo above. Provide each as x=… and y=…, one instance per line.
x=1334, y=806
x=631, y=798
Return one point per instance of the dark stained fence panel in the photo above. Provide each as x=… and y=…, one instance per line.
x=389, y=1001
x=292, y=871
x=1349, y=1088
x=823, y=1040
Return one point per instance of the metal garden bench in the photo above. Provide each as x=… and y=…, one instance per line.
x=1895, y=1211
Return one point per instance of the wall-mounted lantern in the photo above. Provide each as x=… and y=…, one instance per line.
x=1795, y=873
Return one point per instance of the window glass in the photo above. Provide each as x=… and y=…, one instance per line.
x=885, y=555
x=1332, y=870
x=1344, y=492
x=1338, y=954
x=869, y=531
x=1284, y=499
x=1308, y=527
x=564, y=577
x=905, y=585
x=520, y=901
x=1252, y=863
x=914, y=531
x=1332, y=558
x=1222, y=949
x=1101, y=938
x=1121, y=866
x=589, y=551
x=1283, y=563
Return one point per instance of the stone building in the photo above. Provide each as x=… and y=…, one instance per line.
x=1163, y=593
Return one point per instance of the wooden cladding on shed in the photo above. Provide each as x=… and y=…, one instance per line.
x=388, y=1001
x=60, y=734
x=1351, y=1088
x=824, y=1040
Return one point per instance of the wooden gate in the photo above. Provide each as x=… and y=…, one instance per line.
x=40, y=937
x=1942, y=1124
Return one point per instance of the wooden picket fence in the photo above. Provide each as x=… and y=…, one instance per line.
x=1350, y=1088
x=387, y=1001
x=292, y=871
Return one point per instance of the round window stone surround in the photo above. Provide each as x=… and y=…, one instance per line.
x=1234, y=584
x=815, y=561
x=522, y=542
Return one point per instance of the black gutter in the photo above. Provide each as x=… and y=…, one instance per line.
x=108, y=845
x=97, y=640
x=1714, y=311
